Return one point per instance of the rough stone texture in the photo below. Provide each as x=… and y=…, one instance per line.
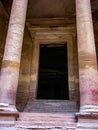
x=3, y=31
x=88, y=78
x=52, y=106
x=43, y=121
x=55, y=128
x=24, y=80
x=46, y=120
x=25, y=68
x=23, y=91
x=52, y=9
x=76, y=71
x=12, y=53
x=57, y=36
x=88, y=74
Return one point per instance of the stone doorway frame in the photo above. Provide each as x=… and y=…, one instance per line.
x=56, y=36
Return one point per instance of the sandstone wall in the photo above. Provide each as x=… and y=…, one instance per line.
x=3, y=31
x=26, y=60
x=25, y=70
x=24, y=79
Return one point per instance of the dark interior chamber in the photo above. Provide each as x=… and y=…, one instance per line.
x=53, y=72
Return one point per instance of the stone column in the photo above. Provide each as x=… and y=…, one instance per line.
x=12, y=54
x=88, y=77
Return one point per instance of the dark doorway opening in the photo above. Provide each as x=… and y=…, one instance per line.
x=53, y=72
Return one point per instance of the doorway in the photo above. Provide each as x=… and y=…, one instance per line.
x=53, y=72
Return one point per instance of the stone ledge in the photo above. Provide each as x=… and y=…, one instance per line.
x=86, y=116
x=7, y=118
x=7, y=115
x=87, y=121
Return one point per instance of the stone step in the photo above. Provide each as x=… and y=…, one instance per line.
x=46, y=120
x=31, y=116
x=51, y=106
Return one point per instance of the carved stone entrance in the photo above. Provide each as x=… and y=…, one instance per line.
x=45, y=37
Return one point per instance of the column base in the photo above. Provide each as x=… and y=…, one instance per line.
x=7, y=119
x=8, y=115
x=87, y=121
x=7, y=107
x=89, y=109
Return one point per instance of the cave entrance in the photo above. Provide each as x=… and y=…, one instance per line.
x=53, y=72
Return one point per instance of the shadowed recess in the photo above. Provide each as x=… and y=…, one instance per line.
x=53, y=72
